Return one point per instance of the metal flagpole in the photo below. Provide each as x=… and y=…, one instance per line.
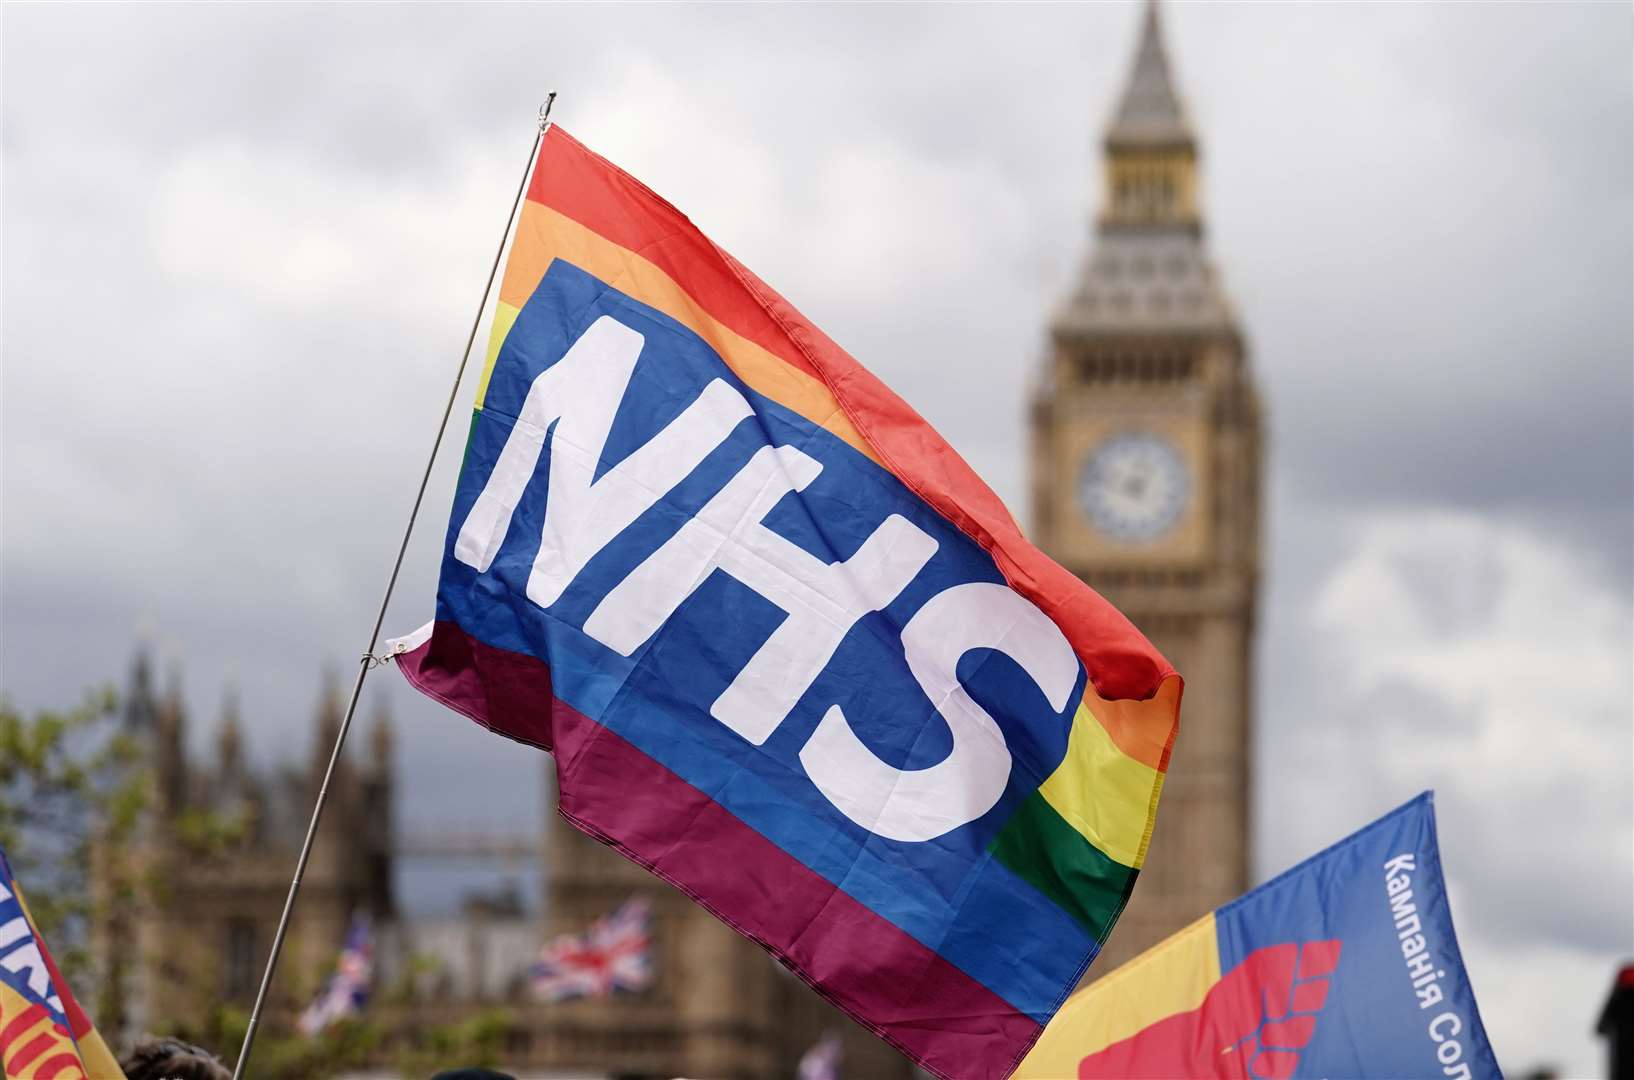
x=368, y=660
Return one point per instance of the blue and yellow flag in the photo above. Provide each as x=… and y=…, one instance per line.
x=44, y=1034
x=1346, y=965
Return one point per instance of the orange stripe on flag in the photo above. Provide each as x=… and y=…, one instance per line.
x=1135, y=726
x=543, y=235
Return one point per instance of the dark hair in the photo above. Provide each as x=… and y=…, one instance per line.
x=171, y=1059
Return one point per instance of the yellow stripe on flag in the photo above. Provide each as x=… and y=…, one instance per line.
x=1103, y=792
x=504, y=318
x=1172, y=977
x=99, y=1060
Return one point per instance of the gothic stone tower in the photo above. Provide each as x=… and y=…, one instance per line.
x=184, y=911
x=1146, y=484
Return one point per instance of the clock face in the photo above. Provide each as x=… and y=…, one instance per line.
x=1134, y=486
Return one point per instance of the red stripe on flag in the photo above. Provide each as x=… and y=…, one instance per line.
x=66, y=1066
x=32, y=1049
x=573, y=180
x=21, y=1023
x=78, y=1023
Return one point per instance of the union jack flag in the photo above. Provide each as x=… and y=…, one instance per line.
x=348, y=988
x=614, y=955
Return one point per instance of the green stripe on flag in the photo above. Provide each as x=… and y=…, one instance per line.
x=1041, y=848
x=470, y=436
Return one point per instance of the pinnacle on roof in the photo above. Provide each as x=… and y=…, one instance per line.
x=230, y=738
x=1150, y=112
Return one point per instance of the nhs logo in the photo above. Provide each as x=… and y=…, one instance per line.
x=721, y=578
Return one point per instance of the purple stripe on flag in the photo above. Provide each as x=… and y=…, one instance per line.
x=938, y=1014
x=506, y=692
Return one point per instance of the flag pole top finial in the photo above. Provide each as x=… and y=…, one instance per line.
x=544, y=111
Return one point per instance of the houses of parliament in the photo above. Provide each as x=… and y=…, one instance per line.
x=1145, y=482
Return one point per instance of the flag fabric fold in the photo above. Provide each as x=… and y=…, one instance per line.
x=44, y=1034
x=1346, y=965
x=791, y=654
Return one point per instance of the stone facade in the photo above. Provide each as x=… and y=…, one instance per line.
x=1146, y=474
x=204, y=882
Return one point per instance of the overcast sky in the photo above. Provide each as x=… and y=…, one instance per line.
x=242, y=246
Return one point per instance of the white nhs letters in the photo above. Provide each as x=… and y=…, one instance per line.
x=922, y=804
x=580, y=395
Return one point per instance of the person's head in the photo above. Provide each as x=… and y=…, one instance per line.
x=172, y=1059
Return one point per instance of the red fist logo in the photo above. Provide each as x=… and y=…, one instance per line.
x=1252, y=1023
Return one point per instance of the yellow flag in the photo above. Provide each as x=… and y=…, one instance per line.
x=44, y=1034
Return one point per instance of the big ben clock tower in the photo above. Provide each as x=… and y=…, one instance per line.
x=1146, y=484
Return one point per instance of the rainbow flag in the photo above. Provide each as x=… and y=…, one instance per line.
x=44, y=1034
x=1346, y=965
x=791, y=654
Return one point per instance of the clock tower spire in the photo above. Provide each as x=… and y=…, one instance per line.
x=1146, y=481
x=1151, y=154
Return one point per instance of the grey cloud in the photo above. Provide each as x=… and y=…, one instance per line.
x=1423, y=213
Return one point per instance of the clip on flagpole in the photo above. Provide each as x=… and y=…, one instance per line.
x=369, y=660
